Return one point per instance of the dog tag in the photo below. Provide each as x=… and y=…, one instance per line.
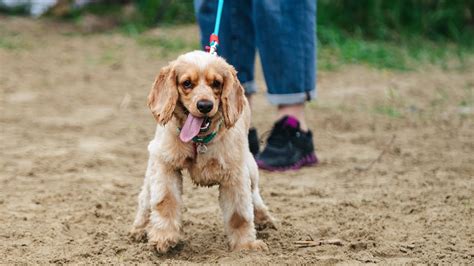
x=201, y=148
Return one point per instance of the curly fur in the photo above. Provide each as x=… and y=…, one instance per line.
x=228, y=162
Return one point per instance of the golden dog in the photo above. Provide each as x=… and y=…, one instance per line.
x=203, y=120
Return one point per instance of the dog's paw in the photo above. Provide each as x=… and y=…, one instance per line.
x=164, y=245
x=137, y=234
x=256, y=245
x=264, y=224
x=263, y=220
x=162, y=241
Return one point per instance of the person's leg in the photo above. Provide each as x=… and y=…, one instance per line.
x=236, y=36
x=237, y=43
x=286, y=40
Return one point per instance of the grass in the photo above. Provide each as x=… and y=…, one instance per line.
x=336, y=49
x=400, y=35
x=358, y=51
x=7, y=44
x=170, y=44
x=468, y=99
x=339, y=50
x=442, y=101
x=391, y=105
x=11, y=40
x=388, y=110
x=166, y=45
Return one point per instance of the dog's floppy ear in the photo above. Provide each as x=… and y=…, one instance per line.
x=232, y=98
x=163, y=95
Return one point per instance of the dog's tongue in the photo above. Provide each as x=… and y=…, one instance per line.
x=191, y=128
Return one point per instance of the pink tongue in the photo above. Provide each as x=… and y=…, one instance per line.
x=191, y=128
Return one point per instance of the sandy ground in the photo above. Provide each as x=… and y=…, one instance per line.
x=395, y=183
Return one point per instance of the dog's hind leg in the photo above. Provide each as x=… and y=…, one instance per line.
x=262, y=216
x=138, y=231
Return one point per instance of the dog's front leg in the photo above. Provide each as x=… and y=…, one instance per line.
x=164, y=230
x=142, y=218
x=236, y=203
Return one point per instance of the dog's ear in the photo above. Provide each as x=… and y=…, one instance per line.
x=163, y=95
x=232, y=98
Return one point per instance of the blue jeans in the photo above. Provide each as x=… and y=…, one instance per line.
x=283, y=31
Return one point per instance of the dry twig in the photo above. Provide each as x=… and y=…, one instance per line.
x=312, y=243
x=389, y=144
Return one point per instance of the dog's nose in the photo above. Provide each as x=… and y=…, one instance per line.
x=204, y=106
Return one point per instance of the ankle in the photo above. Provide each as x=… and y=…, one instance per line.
x=296, y=111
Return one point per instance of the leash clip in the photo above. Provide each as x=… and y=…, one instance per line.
x=213, y=44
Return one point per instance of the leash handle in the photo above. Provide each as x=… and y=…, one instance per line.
x=214, y=39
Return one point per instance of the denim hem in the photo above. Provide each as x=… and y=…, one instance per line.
x=250, y=87
x=291, y=98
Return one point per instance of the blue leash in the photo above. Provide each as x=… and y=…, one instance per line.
x=218, y=17
x=214, y=39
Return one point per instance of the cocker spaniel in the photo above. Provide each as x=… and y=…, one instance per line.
x=203, y=120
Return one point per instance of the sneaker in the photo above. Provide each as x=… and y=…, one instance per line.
x=288, y=147
x=253, y=141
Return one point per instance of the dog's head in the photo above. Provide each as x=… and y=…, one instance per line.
x=198, y=89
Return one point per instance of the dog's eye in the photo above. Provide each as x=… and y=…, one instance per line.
x=216, y=84
x=187, y=84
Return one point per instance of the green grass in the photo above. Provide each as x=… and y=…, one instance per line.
x=391, y=106
x=336, y=49
x=11, y=40
x=167, y=45
x=400, y=35
x=170, y=44
x=7, y=44
x=397, y=35
x=392, y=20
x=387, y=110
x=358, y=51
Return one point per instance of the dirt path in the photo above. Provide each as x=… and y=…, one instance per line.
x=395, y=183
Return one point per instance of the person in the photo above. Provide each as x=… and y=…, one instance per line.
x=284, y=32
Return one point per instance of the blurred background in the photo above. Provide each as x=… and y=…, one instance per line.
x=393, y=126
x=385, y=34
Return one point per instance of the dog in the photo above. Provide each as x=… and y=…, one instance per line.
x=203, y=119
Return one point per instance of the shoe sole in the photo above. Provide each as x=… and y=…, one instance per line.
x=308, y=160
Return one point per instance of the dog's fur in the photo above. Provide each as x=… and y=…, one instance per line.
x=227, y=162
